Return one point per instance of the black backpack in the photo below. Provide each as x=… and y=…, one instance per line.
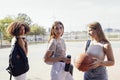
x=87, y=45
x=18, y=62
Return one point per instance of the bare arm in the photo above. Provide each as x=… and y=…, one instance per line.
x=23, y=45
x=110, y=57
x=48, y=58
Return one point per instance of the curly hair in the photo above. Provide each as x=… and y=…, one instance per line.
x=14, y=28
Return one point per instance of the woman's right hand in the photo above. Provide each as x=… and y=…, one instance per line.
x=66, y=60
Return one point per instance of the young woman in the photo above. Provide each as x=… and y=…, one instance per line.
x=99, y=48
x=18, y=31
x=57, y=48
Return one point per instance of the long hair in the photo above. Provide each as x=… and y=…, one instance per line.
x=98, y=28
x=52, y=33
x=14, y=28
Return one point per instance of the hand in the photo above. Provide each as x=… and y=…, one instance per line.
x=95, y=64
x=66, y=60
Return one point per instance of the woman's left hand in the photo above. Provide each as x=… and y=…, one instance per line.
x=95, y=64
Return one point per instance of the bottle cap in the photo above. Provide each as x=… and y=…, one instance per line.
x=69, y=56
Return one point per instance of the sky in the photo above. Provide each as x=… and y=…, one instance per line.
x=74, y=14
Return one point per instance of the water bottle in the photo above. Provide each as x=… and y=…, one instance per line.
x=67, y=66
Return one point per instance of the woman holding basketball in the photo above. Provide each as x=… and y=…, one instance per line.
x=99, y=48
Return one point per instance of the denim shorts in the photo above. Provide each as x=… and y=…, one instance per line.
x=98, y=73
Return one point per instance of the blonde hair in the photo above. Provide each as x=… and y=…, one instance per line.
x=97, y=26
x=14, y=28
x=52, y=34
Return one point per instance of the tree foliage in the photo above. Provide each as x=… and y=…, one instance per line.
x=3, y=25
x=24, y=18
x=37, y=30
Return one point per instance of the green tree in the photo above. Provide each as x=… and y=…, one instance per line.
x=24, y=17
x=37, y=30
x=3, y=25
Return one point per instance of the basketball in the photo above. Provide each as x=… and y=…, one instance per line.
x=83, y=62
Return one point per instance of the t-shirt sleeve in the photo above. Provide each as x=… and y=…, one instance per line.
x=52, y=45
x=64, y=45
x=13, y=41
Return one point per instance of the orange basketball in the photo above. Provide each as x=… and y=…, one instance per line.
x=83, y=62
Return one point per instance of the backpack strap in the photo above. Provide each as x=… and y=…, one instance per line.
x=9, y=71
x=20, y=49
x=87, y=45
x=10, y=76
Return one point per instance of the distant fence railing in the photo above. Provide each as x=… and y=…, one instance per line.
x=66, y=36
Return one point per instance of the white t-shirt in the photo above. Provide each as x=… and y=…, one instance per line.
x=13, y=41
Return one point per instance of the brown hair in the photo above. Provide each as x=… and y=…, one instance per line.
x=96, y=26
x=52, y=34
x=14, y=28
